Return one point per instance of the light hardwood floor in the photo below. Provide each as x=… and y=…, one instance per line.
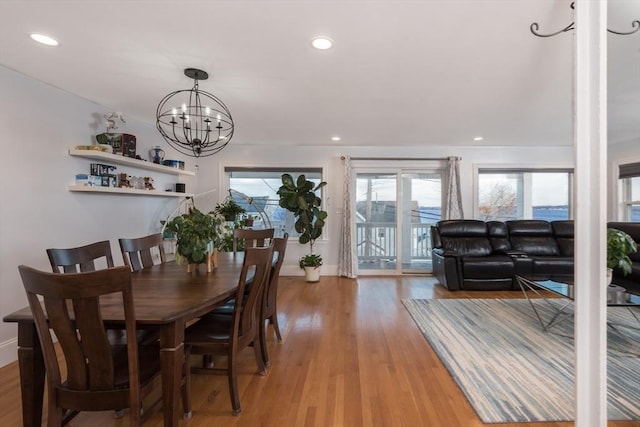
x=351, y=356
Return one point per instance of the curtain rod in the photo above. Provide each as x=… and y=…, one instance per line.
x=398, y=158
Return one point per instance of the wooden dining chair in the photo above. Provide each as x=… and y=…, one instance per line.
x=249, y=238
x=80, y=259
x=220, y=334
x=139, y=253
x=269, y=307
x=99, y=376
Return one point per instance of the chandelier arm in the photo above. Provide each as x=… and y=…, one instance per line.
x=535, y=27
x=634, y=24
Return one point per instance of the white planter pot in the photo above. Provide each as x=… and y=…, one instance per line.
x=609, y=276
x=312, y=274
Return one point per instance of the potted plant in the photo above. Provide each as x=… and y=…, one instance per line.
x=300, y=198
x=619, y=246
x=229, y=209
x=197, y=236
x=247, y=220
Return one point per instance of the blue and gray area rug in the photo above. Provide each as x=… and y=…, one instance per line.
x=512, y=371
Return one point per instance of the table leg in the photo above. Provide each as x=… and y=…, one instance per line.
x=171, y=365
x=31, y=365
x=560, y=314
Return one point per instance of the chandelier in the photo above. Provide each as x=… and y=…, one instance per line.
x=534, y=28
x=194, y=122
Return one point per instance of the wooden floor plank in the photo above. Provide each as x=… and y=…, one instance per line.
x=351, y=356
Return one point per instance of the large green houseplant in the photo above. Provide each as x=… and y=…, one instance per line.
x=196, y=233
x=619, y=246
x=300, y=198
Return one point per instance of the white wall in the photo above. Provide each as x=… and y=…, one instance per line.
x=619, y=154
x=39, y=123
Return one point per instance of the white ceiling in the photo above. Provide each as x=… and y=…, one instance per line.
x=425, y=72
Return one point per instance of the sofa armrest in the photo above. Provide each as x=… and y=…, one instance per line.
x=446, y=268
x=445, y=253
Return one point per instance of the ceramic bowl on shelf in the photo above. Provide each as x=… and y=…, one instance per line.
x=178, y=164
x=106, y=148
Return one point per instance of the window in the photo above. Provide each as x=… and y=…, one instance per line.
x=524, y=194
x=630, y=185
x=255, y=190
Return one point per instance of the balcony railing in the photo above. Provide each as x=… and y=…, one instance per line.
x=376, y=241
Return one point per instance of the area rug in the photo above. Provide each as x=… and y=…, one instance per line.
x=512, y=371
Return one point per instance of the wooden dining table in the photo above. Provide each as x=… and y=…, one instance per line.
x=166, y=298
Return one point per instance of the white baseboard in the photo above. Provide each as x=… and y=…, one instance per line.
x=295, y=270
x=8, y=351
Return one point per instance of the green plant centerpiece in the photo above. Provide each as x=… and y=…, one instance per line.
x=197, y=235
x=300, y=198
x=619, y=246
x=229, y=209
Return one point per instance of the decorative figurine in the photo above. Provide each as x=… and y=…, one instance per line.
x=111, y=120
x=148, y=183
x=156, y=154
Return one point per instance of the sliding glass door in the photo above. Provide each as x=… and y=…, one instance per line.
x=421, y=208
x=393, y=214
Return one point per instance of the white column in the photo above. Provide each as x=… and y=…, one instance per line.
x=591, y=159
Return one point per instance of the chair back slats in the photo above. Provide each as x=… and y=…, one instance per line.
x=139, y=253
x=247, y=314
x=95, y=344
x=80, y=259
x=252, y=238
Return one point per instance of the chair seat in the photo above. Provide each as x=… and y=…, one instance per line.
x=210, y=328
x=148, y=364
x=226, y=309
x=143, y=337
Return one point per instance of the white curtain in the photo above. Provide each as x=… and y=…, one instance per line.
x=347, y=257
x=453, y=201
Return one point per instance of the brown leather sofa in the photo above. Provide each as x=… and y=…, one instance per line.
x=479, y=255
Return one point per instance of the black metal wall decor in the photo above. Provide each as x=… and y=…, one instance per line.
x=535, y=27
x=194, y=122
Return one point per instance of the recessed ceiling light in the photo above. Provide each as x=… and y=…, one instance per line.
x=478, y=138
x=41, y=38
x=322, y=43
x=335, y=138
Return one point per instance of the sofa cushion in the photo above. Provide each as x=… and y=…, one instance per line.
x=487, y=267
x=465, y=237
x=533, y=237
x=543, y=265
x=467, y=246
x=498, y=236
x=462, y=228
x=563, y=230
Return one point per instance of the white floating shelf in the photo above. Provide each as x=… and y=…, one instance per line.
x=131, y=191
x=128, y=161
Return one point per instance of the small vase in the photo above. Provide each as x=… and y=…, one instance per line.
x=156, y=154
x=609, y=276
